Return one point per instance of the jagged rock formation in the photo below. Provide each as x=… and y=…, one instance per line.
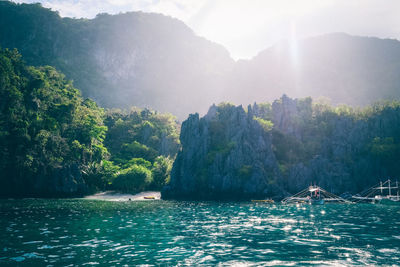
x=233, y=154
x=225, y=155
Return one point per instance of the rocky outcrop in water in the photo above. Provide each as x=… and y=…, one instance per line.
x=225, y=155
x=283, y=147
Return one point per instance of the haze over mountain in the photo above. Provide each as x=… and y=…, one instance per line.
x=141, y=59
x=150, y=60
x=346, y=69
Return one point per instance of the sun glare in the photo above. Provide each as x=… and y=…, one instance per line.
x=237, y=22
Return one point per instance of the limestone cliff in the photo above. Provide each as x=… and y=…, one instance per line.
x=283, y=147
x=225, y=155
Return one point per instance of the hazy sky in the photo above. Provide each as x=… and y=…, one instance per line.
x=246, y=27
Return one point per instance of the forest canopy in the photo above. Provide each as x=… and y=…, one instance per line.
x=53, y=142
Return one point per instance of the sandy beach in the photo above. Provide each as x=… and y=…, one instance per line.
x=115, y=196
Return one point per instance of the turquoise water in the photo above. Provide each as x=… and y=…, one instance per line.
x=78, y=232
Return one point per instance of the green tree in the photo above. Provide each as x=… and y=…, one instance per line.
x=133, y=179
x=161, y=172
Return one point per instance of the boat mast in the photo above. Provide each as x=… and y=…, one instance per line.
x=390, y=191
x=381, y=188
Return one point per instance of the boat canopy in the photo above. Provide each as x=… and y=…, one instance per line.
x=383, y=190
x=314, y=192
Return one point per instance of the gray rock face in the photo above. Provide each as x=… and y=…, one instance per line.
x=225, y=155
x=229, y=154
x=287, y=114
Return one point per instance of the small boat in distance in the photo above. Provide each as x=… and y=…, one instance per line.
x=314, y=195
x=149, y=197
x=381, y=193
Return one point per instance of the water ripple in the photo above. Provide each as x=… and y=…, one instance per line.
x=82, y=232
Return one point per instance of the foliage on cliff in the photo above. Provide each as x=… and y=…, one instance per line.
x=227, y=154
x=282, y=147
x=48, y=133
x=143, y=144
x=55, y=143
x=341, y=148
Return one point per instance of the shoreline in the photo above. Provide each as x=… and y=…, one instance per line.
x=115, y=196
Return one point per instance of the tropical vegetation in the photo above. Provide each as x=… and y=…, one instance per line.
x=53, y=142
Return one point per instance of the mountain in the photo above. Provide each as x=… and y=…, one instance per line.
x=346, y=69
x=141, y=59
x=151, y=60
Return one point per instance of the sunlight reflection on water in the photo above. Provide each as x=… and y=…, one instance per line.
x=90, y=232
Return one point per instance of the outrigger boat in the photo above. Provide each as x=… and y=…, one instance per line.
x=380, y=193
x=314, y=195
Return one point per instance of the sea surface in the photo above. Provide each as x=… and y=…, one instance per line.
x=93, y=232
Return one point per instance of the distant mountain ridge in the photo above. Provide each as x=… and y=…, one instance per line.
x=151, y=60
x=346, y=69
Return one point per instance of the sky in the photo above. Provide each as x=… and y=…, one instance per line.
x=246, y=27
